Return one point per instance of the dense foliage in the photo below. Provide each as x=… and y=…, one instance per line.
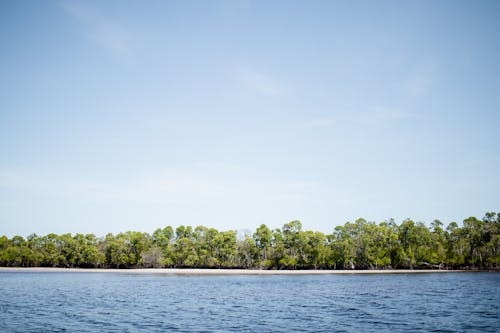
x=358, y=245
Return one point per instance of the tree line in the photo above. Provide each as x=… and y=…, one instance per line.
x=355, y=245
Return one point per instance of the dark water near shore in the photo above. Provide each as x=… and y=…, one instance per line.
x=96, y=302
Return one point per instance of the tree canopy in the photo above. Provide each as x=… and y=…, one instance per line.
x=354, y=245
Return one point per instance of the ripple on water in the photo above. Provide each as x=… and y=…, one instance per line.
x=329, y=303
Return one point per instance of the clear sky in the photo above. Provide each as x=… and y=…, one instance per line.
x=118, y=115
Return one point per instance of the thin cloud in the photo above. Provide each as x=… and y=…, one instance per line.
x=320, y=122
x=98, y=28
x=420, y=79
x=189, y=187
x=262, y=84
x=170, y=186
x=381, y=115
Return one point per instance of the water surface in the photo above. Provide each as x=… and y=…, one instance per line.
x=121, y=302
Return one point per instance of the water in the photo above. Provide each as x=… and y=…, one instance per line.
x=109, y=302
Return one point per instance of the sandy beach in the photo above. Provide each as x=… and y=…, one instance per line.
x=197, y=271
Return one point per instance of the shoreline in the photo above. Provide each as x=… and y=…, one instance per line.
x=201, y=271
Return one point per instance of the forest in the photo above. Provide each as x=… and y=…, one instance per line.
x=475, y=244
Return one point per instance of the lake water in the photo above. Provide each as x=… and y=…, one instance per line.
x=121, y=302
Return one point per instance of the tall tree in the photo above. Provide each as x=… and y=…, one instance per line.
x=262, y=237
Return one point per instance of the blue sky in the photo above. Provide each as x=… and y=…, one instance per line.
x=120, y=116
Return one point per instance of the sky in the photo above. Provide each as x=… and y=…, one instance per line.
x=135, y=115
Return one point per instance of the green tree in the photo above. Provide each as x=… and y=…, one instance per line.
x=117, y=251
x=358, y=245
x=163, y=237
x=315, y=250
x=184, y=253
x=262, y=237
x=247, y=253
